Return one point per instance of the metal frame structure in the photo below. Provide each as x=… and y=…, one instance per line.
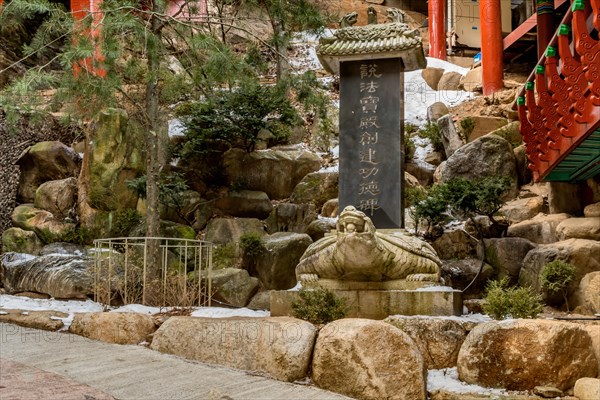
x=118, y=260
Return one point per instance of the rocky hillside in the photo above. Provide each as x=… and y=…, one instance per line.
x=12, y=144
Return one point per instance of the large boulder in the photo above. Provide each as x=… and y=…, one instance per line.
x=275, y=171
x=60, y=276
x=460, y=273
x=42, y=162
x=579, y=228
x=473, y=80
x=456, y=244
x=522, y=354
x=488, y=156
x=582, y=253
x=280, y=347
x=587, y=389
x=193, y=210
x=451, y=140
x=45, y=320
x=368, y=359
x=588, y=293
x=438, y=339
x=316, y=188
x=592, y=210
x=227, y=230
x=421, y=170
x=450, y=81
x=436, y=111
x=482, y=125
x=289, y=217
x=564, y=197
x=520, y=209
x=233, y=286
x=18, y=240
x=432, y=76
x=114, y=157
x=114, y=327
x=593, y=329
x=524, y=173
x=276, y=267
x=506, y=255
x=57, y=197
x=541, y=229
x=48, y=228
x=245, y=204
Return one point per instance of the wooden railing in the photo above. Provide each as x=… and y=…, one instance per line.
x=559, y=107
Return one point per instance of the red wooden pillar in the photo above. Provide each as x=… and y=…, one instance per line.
x=545, y=25
x=491, y=45
x=81, y=9
x=437, y=29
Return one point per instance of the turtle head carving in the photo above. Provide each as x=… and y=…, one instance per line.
x=349, y=19
x=353, y=221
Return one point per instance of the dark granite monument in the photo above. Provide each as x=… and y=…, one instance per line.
x=371, y=159
x=371, y=61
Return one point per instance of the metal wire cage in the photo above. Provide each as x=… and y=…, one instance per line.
x=154, y=271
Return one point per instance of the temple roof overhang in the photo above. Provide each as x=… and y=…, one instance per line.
x=391, y=40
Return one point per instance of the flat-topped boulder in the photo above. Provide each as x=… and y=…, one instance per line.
x=522, y=354
x=279, y=347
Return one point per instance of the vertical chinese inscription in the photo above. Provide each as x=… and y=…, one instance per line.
x=371, y=112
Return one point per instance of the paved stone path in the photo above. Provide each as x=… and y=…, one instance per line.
x=124, y=372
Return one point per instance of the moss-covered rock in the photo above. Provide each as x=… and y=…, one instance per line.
x=316, y=188
x=42, y=162
x=115, y=156
x=21, y=241
x=48, y=228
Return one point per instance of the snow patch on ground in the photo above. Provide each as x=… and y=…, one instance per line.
x=66, y=306
x=447, y=380
x=473, y=318
x=435, y=289
x=218, y=312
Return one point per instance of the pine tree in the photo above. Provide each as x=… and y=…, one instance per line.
x=118, y=57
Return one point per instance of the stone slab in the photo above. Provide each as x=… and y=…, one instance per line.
x=379, y=304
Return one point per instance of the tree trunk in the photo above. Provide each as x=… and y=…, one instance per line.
x=153, y=167
x=281, y=39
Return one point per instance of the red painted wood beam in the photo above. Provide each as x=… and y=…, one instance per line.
x=545, y=25
x=490, y=15
x=526, y=26
x=437, y=29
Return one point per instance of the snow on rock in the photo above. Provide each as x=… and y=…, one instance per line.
x=447, y=380
x=418, y=96
x=219, y=312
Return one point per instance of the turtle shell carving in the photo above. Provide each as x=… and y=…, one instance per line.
x=359, y=253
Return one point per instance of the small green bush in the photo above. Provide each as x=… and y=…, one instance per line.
x=504, y=301
x=556, y=276
x=224, y=256
x=318, y=306
x=251, y=244
x=410, y=128
x=409, y=148
x=467, y=125
x=431, y=131
x=124, y=221
x=79, y=235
